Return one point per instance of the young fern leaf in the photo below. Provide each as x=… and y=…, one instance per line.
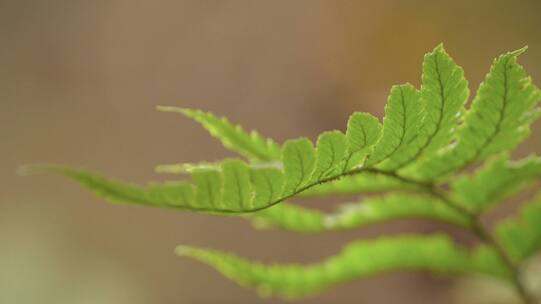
x=419, y=123
x=237, y=186
x=400, y=127
x=436, y=253
x=289, y=217
x=495, y=181
x=208, y=193
x=299, y=159
x=331, y=151
x=250, y=145
x=497, y=121
x=521, y=236
x=229, y=190
x=444, y=92
x=370, y=211
x=166, y=195
x=232, y=186
x=363, y=131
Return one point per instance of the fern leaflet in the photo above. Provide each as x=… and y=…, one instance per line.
x=417, y=253
x=370, y=211
x=250, y=145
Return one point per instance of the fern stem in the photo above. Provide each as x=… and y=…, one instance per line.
x=484, y=235
x=487, y=237
x=436, y=192
x=476, y=227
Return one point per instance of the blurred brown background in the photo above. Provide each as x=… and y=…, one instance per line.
x=79, y=81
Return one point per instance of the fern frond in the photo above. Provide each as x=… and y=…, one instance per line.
x=497, y=121
x=426, y=136
x=250, y=145
x=231, y=187
x=229, y=190
x=370, y=211
x=360, y=259
x=521, y=236
x=495, y=181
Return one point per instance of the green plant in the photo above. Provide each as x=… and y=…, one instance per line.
x=433, y=158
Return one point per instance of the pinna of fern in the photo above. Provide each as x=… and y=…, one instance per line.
x=414, y=160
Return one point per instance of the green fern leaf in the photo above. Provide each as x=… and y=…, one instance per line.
x=167, y=195
x=289, y=217
x=208, y=194
x=250, y=145
x=501, y=113
x=229, y=190
x=358, y=260
x=299, y=162
x=330, y=153
x=496, y=181
x=237, y=185
x=426, y=135
x=521, y=236
x=363, y=131
x=268, y=184
x=444, y=93
x=370, y=211
x=498, y=120
x=400, y=126
x=230, y=187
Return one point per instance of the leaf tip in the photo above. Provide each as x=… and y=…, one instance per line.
x=183, y=250
x=171, y=109
x=519, y=52
x=33, y=169
x=167, y=168
x=440, y=48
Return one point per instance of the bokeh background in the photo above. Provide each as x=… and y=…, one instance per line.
x=79, y=82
